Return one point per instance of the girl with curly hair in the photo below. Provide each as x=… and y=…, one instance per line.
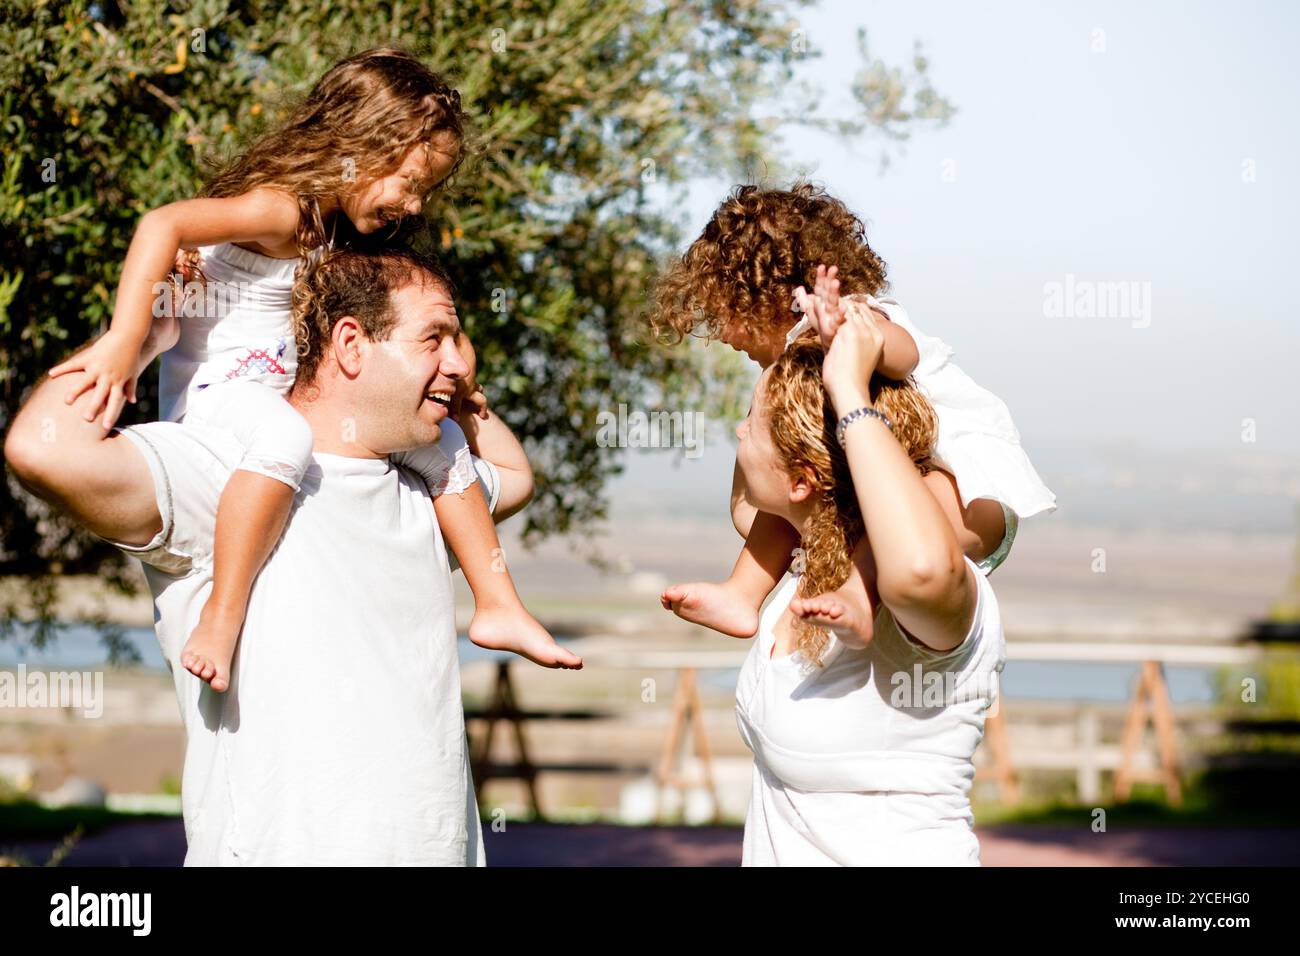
x=741, y=281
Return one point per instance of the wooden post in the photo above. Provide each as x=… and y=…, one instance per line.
x=687, y=710
x=504, y=706
x=1150, y=687
x=1088, y=781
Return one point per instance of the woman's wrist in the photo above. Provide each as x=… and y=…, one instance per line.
x=846, y=399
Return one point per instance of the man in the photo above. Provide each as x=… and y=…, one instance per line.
x=341, y=740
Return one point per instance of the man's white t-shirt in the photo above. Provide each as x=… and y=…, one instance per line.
x=342, y=738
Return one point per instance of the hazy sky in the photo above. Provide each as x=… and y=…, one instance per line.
x=1119, y=166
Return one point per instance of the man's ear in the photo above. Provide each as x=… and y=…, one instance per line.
x=348, y=341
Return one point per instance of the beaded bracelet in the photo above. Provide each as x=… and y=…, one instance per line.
x=853, y=416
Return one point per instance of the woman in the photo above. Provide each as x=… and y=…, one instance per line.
x=863, y=749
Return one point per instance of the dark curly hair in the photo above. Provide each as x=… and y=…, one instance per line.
x=760, y=245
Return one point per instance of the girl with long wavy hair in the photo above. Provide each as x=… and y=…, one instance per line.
x=863, y=750
x=357, y=158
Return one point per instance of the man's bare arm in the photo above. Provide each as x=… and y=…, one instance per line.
x=97, y=478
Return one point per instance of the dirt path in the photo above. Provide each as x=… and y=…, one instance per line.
x=162, y=843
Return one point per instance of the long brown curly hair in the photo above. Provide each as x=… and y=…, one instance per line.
x=802, y=424
x=358, y=122
x=760, y=245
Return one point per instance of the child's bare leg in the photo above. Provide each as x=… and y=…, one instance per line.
x=732, y=606
x=250, y=519
x=500, y=622
x=847, y=612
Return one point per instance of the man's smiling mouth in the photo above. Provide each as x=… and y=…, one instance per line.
x=441, y=397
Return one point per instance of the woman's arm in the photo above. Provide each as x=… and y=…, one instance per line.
x=921, y=574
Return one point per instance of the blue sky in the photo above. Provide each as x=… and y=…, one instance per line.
x=1122, y=165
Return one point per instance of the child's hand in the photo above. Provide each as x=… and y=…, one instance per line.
x=473, y=402
x=110, y=371
x=824, y=308
x=852, y=358
x=469, y=398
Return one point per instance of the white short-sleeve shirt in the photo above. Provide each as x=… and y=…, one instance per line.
x=867, y=758
x=341, y=740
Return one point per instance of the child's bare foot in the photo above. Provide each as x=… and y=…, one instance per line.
x=842, y=612
x=211, y=647
x=712, y=605
x=507, y=629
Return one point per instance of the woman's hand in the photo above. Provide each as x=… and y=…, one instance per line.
x=851, y=359
x=110, y=371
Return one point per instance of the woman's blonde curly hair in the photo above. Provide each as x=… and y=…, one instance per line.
x=760, y=245
x=803, y=422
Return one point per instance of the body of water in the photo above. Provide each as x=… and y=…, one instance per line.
x=78, y=646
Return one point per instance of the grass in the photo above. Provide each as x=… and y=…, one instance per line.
x=1148, y=808
x=26, y=820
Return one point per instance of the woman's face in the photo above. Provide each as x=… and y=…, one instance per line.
x=767, y=486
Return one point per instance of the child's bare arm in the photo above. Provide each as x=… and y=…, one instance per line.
x=980, y=526
x=262, y=215
x=468, y=530
x=899, y=356
x=492, y=440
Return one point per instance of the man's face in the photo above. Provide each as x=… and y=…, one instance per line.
x=408, y=380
